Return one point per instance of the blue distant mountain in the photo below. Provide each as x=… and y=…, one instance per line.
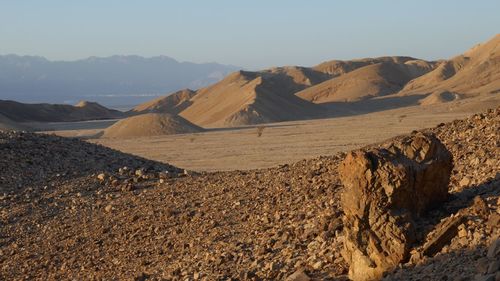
x=113, y=81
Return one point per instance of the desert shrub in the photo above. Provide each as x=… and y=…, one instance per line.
x=260, y=130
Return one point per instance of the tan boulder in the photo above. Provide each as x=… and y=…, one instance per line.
x=384, y=190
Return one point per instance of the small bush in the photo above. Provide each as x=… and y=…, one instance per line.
x=260, y=130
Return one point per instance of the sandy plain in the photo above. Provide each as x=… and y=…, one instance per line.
x=279, y=143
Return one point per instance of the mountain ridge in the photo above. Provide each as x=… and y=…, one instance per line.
x=474, y=71
x=328, y=89
x=34, y=78
x=44, y=112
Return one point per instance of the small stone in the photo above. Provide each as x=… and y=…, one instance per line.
x=123, y=170
x=101, y=177
x=415, y=257
x=482, y=265
x=164, y=175
x=446, y=230
x=490, y=277
x=475, y=161
x=299, y=264
x=480, y=206
x=464, y=182
x=318, y=265
x=272, y=266
x=494, y=249
x=462, y=233
x=493, y=220
x=246, y=275
x=298, y=275
x=128, y=187
x=494, y=266
x=108, y=208
x=139, y=172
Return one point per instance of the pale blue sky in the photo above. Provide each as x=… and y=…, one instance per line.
x=251, y=34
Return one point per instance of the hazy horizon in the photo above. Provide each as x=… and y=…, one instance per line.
x=254, y=35
x=111, y=56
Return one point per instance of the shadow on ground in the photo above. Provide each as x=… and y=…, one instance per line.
x=30, y=159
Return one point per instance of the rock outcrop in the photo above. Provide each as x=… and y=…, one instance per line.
x=385, y=190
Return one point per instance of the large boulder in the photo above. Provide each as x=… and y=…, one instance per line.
x=385, y=189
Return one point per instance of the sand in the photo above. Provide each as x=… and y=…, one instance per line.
x=172, y=103
x=288, y=93
x=150, y=124
x=287, y=142
x=245, y=98
x=369, y=81
x=477, y=71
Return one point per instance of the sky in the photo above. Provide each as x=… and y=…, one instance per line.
x=251, y=34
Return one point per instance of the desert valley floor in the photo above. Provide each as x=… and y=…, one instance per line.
x=279, y=143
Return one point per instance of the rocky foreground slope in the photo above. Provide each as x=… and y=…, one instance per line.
x=73, y=210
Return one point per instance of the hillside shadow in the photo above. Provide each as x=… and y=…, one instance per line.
x=459, y=262
x=37, y=159
x=67, y=126
x=456, y=203
x=344, y=109
x=340, y=109
x=268, y=125
x=174, y=111
x=464, y=197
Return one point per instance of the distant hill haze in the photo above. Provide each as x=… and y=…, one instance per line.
x=44, y=112
x=133, y=79
x=289, y=93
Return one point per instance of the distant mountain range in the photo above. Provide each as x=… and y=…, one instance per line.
x=333, y=88
x=112, y=81
x=17, y=112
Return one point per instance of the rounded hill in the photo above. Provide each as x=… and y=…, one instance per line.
x=150, y=124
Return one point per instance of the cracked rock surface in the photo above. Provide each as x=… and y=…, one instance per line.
x=385, y=189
